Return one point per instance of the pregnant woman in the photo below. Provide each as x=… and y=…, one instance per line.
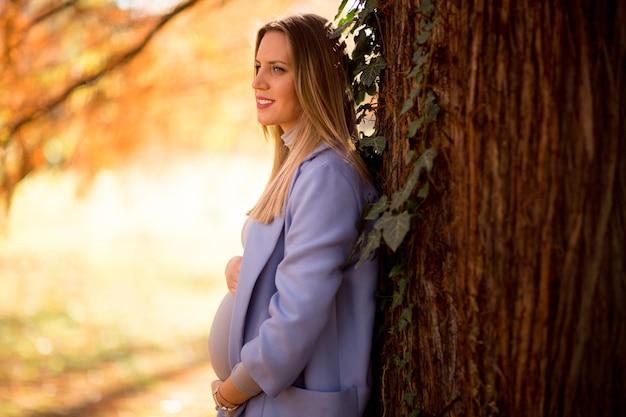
x=293, y=336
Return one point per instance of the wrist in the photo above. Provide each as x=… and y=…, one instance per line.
x=221, y=404
x=224, y=401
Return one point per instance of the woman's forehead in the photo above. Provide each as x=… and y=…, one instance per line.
x=274, y=47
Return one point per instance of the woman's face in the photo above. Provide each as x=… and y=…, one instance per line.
x=276, y=100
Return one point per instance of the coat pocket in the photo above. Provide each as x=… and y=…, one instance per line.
x=298, y=402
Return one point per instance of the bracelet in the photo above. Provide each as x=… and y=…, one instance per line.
x=221, y=407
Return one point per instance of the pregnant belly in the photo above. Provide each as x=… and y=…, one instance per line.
x=218, y=337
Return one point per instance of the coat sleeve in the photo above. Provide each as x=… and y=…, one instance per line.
x=320, y=218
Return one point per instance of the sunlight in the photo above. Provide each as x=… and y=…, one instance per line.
x=111, y=269
x=149, y=6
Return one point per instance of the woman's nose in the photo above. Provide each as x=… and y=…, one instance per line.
x=258, y=83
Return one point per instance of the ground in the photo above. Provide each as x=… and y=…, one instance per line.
x=108, y=288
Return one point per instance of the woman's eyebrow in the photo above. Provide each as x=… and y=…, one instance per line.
x=276, y=61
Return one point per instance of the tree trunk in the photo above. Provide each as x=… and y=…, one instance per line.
x=518, y=268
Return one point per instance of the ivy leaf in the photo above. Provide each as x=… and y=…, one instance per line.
x=394, y=227
x=415, y=412
x=406, y=318
x=419, y=59
x=377, y=208
x=431, y=109
x=398, y=296
x=369, y=8
x=424, y=162
x=423, y=37
x=426, y=7
x=413, y=72
x=409, y=397
x=429, y=26
x=348, y=18
x=378, y=143
x=342, y=6
x=372, y=242
x=408, y=105
x=409, y=156
x=413, y=127
x=370, y=72
x=396, y=300
x=423, y=192
x=341, y=28
x=407, y=313
x=362, y=49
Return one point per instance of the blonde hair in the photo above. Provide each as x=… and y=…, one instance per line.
x=328, y=114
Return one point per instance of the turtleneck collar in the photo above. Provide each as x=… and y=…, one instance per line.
x=289, y=136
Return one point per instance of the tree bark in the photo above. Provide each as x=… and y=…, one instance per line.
x=518, y=269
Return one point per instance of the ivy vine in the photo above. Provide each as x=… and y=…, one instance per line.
x=391, y=216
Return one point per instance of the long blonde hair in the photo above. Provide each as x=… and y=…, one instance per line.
x=328, y=114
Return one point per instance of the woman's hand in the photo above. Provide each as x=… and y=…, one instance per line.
x=232, y=273
x=226, y=394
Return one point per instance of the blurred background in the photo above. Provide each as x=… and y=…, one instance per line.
x=130, y=153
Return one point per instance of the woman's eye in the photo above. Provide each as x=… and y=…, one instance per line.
x=278, y=69
x=256, y=69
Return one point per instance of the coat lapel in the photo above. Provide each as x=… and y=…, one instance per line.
x=260, y=244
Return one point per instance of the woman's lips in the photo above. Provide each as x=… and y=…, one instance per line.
x=263, y=102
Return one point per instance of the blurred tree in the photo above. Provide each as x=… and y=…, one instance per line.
x=57, y=65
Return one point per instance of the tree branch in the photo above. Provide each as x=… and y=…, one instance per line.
x=113, y=64
x=51, y=12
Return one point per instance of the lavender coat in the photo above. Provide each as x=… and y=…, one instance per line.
x=303, y=318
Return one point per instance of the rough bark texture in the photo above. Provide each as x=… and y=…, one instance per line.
x=519, y=268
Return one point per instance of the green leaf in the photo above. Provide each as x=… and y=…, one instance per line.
x=396, y=300
x=372, y=243
x=394, y=228
x=401, y=362
x=340, y=29
x=362, y=50
x=377, y=208
x=413, y=72
x=409, y=397
x=429, y=26
x=413, y=127
x=426, y=7
x=423, y=192
x=409, y=156
x=369, y=8
x=408, y=104
x=431, y=109
x=415, y=412
x=425, y=161
x=422, y=37
x=378, y=143
x=340, y=9
x=406, y=318
x=370, y=73
x=419, y=57
x=398, y=296
x=407, y=313
x=398, y=269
